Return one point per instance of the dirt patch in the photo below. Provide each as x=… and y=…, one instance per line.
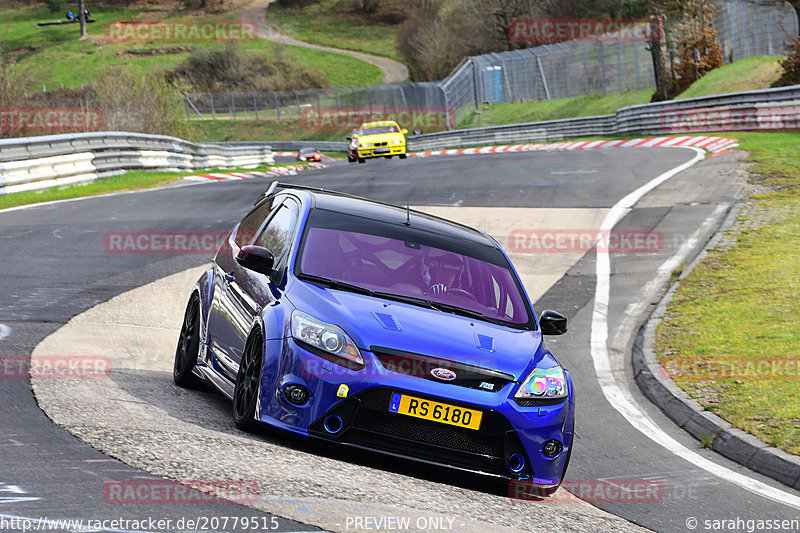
x=164, y=50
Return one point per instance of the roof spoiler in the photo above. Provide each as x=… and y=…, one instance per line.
x=275, y=185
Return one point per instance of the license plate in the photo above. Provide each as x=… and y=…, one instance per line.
x=382, y=150
x=436, y=411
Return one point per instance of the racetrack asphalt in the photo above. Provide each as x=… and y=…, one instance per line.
x=57, y=267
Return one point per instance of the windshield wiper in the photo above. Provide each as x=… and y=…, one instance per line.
x=405, y=299
x=334, y=284
x=447, y=308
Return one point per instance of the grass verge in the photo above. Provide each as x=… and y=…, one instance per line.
x=744, y=75
x=336, y=24
x=580, y=106
x=52, y=56
x=731, y=335
x=130, y=181
x=259, y=130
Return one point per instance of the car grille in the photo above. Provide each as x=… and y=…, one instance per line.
x=368, y=423
x=411, y=364
x=382, y=143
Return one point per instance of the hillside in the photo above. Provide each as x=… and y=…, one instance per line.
x=52, y=56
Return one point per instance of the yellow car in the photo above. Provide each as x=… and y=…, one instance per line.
x=377, y=139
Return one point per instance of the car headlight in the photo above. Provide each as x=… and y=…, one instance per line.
x=544, y=383
x=326, y=337
x=397, y=141
x=364, y=145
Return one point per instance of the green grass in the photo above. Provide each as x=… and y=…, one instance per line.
x=334, y=23
x=130, y=181
x=740, y=305
x=745, y=75
x=259, y=130
x=581, y=106
x=340, y=70
x=54, y=56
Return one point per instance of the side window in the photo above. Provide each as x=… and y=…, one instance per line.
x=249, y=226
x=278, y=230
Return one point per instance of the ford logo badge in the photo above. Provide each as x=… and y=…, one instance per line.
x=444, y=374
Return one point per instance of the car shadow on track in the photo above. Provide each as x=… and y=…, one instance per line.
x=208, y=410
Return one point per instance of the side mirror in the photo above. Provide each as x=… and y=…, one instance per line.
x=257, y=259
x=404, y=131
x=553, y=323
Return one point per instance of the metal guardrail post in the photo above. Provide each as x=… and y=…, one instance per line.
x=585, y=69
x=619, y=65
x=566, y=67
x=602, y=63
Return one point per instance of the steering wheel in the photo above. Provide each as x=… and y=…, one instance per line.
x=457, y=292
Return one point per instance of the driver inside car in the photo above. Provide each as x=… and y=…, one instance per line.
x=441, y=272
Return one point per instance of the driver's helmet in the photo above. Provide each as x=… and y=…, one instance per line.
x=442, y=270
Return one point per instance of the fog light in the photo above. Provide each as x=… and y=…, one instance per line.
x=295, y=394
x=551, y=448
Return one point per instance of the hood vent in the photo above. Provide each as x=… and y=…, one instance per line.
x=388, y=321
x=484, y=342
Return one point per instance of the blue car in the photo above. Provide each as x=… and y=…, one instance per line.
x=380, y=328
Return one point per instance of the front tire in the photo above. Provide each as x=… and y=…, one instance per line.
x=361, y=160
x=188, y=346
x=245, y=392
x=403, y=156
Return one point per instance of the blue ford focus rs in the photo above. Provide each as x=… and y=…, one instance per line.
x=380, y=328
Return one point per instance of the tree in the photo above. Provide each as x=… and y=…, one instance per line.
x=790, y=65
x=658, y=52
x=82, y=17
x=699, y=50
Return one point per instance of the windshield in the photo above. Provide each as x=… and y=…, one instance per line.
x=376, y=130
x=407, y=262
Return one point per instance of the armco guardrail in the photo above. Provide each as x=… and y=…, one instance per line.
x=40, y=162
x=293, y=146
x=767, y=109
x=34, y=163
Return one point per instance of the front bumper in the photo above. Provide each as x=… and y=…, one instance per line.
x=381, y=151
x=507, y=428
